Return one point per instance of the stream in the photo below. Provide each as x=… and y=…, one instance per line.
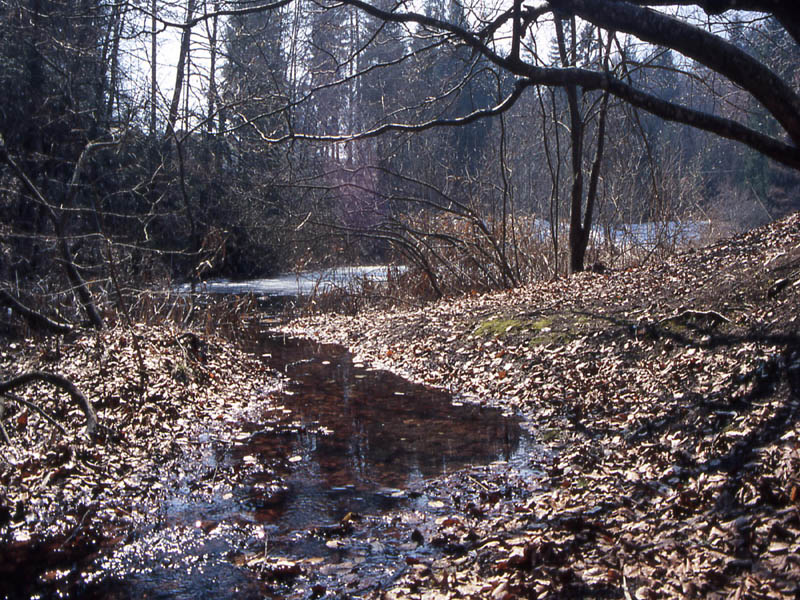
x=333, y=490
x=302, y=283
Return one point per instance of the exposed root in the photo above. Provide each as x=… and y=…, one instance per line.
x=61, y=383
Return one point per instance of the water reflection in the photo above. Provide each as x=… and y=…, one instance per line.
x=384, y=433
x=298, y=284
x=354, y=441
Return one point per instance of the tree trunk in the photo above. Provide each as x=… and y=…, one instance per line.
x=76, y=279
x=212, y=75
x=116, y=28
x=153, y=68
x=577, y=250
x=594, y=180
x=186, y=36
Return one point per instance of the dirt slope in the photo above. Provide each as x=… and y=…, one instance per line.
x=669, y=397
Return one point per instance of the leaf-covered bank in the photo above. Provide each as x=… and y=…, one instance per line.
x=669, y=395
x=165, y=404
x=666, y=398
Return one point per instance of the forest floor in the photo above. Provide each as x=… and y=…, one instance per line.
x=665, y=399
x=668, y=396
x=167, y=405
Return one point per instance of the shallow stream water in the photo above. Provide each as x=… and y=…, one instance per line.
x=303, y=283
x=328, y=490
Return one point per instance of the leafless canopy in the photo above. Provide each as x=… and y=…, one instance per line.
x=644, y=21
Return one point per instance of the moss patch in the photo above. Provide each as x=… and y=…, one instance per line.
x=537, y=330
x=543, y=323
x=550, y=434
x=498, y=327
x=502, y=326
x=561, y=330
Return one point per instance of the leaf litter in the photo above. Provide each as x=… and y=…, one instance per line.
x=668, y=395
x=65, y=499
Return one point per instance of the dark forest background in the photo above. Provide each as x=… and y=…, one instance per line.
x=146, y=143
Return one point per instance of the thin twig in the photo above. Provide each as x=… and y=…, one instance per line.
x=41, y=411
x=478, y=482
x=77, y=528
x=5, y=435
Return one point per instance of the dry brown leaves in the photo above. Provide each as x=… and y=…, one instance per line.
x=191, y=392
x=675, y=432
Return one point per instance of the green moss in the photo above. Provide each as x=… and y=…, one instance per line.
x=498, y=327
x=504, y=325
x=581, y=482
x=549, y=434
x=546, y=334
x=539, y=330
x=542, y=323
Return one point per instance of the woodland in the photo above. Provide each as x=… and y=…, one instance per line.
x=589, y=213
x=153, y=142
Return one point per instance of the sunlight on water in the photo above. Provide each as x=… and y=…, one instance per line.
x=345, y=440
x=294, y=284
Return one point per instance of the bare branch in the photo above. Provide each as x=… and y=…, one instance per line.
x=61, y=383
x=209, y=15
x=505, y=105
x=76, y=279
x=34, y=318
x=713, y=51
x=661, y=29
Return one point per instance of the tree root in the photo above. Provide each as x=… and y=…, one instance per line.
x=61, y=383
x=710, y=316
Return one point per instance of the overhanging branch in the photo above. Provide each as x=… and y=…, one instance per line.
x=510, y=100
x=783, y=10
x=779, y=151
x=650, y=25
x=708, y=49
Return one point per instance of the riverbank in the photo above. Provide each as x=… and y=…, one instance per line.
x=167, y=404
x=662, y=401
x=669, y=397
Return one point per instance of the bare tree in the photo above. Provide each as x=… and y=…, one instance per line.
x=680, y=31
x=431, y=130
